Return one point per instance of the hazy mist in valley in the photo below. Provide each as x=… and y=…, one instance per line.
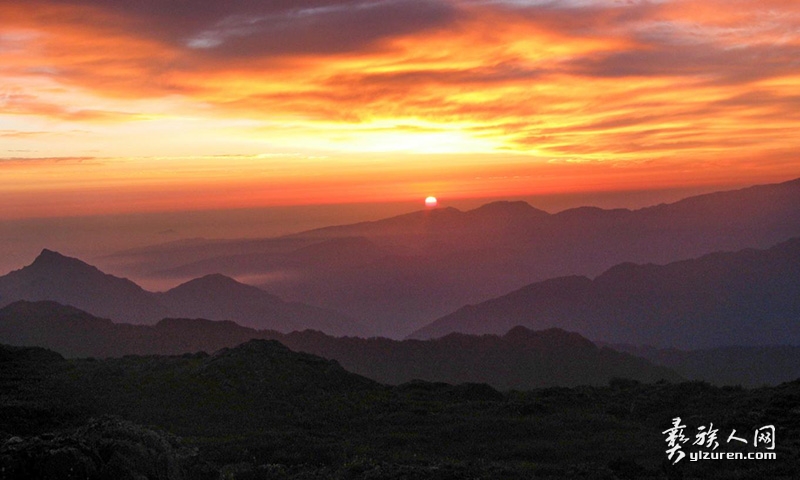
x=92, y=238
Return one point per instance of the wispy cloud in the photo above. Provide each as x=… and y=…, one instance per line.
x=676, y=82
x=6, y=161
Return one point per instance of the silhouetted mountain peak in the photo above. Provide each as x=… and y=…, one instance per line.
x=441, y=211
x=508, y=208
x=254, y=349
x=47, y=254
x=216, y=284
x=551, y=338
x=171, y=323
x=589, y=213
x=10, y=353
x=432, y=213
x=213, y=289
x=70, y=281
x=267, y=367
x=49, y=260
x=25, y=308
x=519, y=332
x=211, y=281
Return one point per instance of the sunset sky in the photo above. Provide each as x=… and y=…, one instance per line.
x=118, y=106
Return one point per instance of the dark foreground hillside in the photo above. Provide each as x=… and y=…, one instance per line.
x=520, y=359
x=261, y=411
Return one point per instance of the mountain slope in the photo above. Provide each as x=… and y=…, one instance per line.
x=750, y=297
x=403, y=272
x=200, y=392
x=69, y=281
x=217, y=297
x=747, y=366
x=519, y=359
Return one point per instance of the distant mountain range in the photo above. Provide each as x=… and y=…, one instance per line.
x=520, y=359
x=69, y=281
x=400, y=273
x=391, y=276
x=747, y=366
x=749, y=297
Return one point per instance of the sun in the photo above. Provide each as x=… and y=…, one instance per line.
x=431, y=202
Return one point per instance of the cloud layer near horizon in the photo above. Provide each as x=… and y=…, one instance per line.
x=661, y=89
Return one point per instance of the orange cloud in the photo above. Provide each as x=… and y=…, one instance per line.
x=603, y=94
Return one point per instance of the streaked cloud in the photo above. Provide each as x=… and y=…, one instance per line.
x=664, y=87
x=337, y=27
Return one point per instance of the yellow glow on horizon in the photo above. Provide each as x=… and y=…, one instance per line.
x=98, y=113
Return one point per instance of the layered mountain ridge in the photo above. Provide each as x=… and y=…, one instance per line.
x=403, y=272
x=748, y=297
x=70, y=281
x=519, y=359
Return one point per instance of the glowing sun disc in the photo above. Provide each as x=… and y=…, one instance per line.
x=431, y=202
